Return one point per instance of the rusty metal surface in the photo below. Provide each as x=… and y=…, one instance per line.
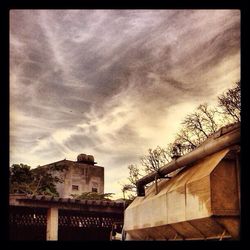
x=228, y=136
x=188, y=202
x=200, y=229
x=224, y=188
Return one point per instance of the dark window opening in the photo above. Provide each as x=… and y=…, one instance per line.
x=75, y=187
x=94, y=190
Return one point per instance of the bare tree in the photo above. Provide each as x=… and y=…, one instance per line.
x=208, y=117
x=185, y=142
x=134, y=176
x=155, y=159
x=202, y=121
x=230, y=102
x=128, y=188
x=196, y=128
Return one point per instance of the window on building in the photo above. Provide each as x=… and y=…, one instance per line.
x=94, y=187
x=75, y=187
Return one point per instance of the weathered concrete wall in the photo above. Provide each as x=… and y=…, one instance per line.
x=78, y=178
x=83, y=176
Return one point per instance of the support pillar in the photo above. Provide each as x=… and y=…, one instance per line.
x=52, y=224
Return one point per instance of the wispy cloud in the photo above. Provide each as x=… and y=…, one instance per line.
x=113, y=83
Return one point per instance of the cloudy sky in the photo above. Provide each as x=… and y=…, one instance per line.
x=113, y=83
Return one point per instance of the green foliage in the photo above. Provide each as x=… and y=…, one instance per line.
x=93, y=196
x=38, y=181
x=20, y=173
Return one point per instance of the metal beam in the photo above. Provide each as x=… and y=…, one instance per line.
x=222, y=139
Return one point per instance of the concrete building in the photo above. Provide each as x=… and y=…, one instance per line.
x=78, y=176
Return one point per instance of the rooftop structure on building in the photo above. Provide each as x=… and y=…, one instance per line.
x=80, y=176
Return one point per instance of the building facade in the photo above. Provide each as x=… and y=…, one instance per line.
x=78, y=176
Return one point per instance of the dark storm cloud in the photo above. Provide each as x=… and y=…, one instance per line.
x=131, y=43
x=222, y=45
x=107, y=80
